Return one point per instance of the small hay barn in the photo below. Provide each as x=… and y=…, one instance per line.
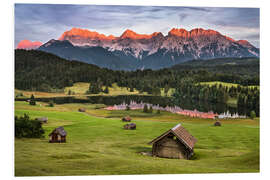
x=81, y=110
x=126, y=119
x=176, y=143
x=217, y=123
x=42, y=119
x=58, y=135
x=130, y=126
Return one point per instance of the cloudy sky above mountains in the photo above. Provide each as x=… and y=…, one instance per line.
x=42, y=22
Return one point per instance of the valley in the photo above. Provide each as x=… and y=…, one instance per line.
x=97, y=144
x=135, y=90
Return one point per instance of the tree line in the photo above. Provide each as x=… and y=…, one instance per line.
x=41, y=71
x=247, y=97
x=37, y=70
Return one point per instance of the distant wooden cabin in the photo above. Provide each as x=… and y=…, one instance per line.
x=126, y=119
x=42, y=119
x=81, y=110
x=217, y=123
x=175, y=143
x=58, y=135
x=130, y=126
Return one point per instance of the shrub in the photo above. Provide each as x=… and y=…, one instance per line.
x=106, y=90
x=127, y=108
x=145, y=109
x=252, y=114
x=32, y=100
x=51, y=104
x=150, y=109
x=25, y=127
x=158, y=111
x=94, y=88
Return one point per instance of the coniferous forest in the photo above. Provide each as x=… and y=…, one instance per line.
x=40, y=71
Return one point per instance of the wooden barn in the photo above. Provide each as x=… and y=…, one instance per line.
x=42, y=119
x=58, y=135
x=217, y=123
x=130, y=126
x=175, y=143
x=81, y=110
x=126, y=119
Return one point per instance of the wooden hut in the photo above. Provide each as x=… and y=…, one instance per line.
x=175, y=143
x=130, y=126
x=81, y=110
x=217, y=123
x=58, y=135
x=42, y=119
x=126, y=119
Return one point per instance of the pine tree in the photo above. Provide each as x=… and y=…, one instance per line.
x=106, y=90
x=150, y=109
x=32, y=100
x=51, y=104
x=252, y=114
x=145, y=109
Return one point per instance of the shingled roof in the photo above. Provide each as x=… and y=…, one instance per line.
x=181, y=133
x=60, y=130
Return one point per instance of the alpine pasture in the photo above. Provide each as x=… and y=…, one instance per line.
x=97, y=144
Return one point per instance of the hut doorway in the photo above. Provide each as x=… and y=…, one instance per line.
x=54, y=137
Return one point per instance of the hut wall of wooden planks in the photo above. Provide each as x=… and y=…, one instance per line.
x=58, y=135
x=175, y=143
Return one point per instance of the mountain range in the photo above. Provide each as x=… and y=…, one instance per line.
x=132, y=51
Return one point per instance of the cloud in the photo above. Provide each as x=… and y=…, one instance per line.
x=42, y=22
x=198, y=9
x=182, y=17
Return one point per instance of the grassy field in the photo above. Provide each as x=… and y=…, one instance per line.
x=98, y=145
x=79, y=90
x=224, y=84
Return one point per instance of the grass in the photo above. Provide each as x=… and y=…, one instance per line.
x=224, y=84
x=38, y=93
x=100, y=146
x=170, y=92
x=79, y=90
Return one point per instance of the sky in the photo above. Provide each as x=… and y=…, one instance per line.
x=42, y=22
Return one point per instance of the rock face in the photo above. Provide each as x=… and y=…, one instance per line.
x=135, y=51
x=26, y=44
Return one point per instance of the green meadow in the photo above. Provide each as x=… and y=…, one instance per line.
x=79, y=90
x=212, y=83
x=97, y=144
